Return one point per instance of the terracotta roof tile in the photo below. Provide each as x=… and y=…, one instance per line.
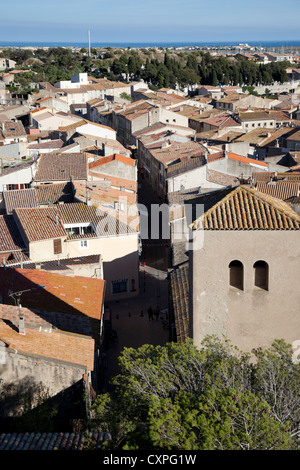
x=10, y=239
x=222, y=120
x=281, y=189
x=12, y=129
x=44, y=223
x=167, y=154
x=52, y=292
x=39, y=223
x=52, y=441
x=61, y=167
x=19, y=198
x=56, y=345
x=248, y=161
x=179, y=279
x=245, y=208
x=115, y=157
x=54, y=193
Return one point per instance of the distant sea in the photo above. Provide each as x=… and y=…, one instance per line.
x=262, y=44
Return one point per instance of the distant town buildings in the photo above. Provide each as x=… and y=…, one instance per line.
x=74, y=156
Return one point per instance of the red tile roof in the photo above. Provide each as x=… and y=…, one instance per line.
x=222, y=120
x=10, y=239
x=61, y=167
x=18, y=198
x=76, y=349
x=65, y=294
x=245, y=208
x=281, y=189
x=115, y=157
x=42, y=223
x=248, y=161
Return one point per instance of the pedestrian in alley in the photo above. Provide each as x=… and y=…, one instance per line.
x=156, y=312
x=150, y=313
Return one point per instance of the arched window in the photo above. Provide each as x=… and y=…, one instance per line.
x=236, y=274
x=261, y=275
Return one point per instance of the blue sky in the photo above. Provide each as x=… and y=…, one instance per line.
x=150, y=20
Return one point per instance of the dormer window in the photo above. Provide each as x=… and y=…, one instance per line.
x=79, y=229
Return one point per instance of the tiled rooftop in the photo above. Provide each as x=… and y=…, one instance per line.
x=245, y=208
x=15, y=168
x=115, y=157
x=179, y=280
x=268, y=176
x=222, y=120
x=46, y=223
x=255, y=116
x=19, y=198
x=54, y=193
x=10, y=239
x=52, y=144
x=47, y=291
x=52, y=441
x=248, y=161
x=176, y=151
x=185, y=166
x=39, y=223
x=281, y=189
x=57, y=345
x=46, y=321
x=11, y=129
x=61, y=167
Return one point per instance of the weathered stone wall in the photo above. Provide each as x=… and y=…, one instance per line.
x=30, y=378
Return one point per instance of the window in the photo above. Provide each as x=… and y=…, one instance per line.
x=236, y=274
x=119, y=286
x=261, y=275
x=83, y=244
x=57, y=246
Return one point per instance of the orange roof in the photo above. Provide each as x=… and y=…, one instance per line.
x=248, y=161
x=76, y=295
x=72, y=348
x=114, y=181
x=37, y=110
x=246, y=208
x=116, y=156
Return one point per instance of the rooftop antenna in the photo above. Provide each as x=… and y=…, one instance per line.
x=89, y=43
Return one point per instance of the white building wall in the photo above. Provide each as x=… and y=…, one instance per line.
x=97, y=131
x=191, y=179
x=23, y=176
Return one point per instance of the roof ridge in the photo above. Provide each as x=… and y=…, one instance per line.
x=225, y=214
x=263, y=196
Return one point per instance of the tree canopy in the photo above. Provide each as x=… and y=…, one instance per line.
x=161, y=70
x=178, y=397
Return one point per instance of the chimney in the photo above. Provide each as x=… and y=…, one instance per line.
x=56, y=219
x=21, y=322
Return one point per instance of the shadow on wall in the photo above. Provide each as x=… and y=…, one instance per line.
x=27, y=407
x=122, y=277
